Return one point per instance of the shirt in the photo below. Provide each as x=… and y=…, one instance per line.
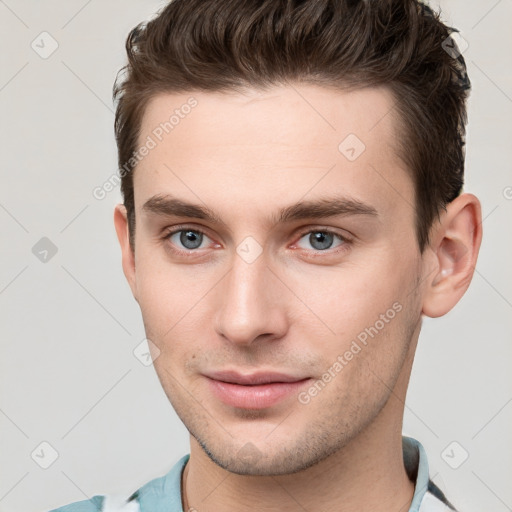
x=163, y=494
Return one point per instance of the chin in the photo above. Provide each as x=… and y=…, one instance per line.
x=281, y=458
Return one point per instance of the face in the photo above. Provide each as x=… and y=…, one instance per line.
x=276, y=267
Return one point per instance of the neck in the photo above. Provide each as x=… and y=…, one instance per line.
x=370, y=478
x=366, y=474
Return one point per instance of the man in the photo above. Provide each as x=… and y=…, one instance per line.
x=292, y=174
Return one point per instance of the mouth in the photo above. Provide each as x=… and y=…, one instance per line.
x=254, y=391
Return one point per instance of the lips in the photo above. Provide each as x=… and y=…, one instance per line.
x=253, y=391
x=254, y=378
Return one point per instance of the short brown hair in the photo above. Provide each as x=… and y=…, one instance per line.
x=223, y=45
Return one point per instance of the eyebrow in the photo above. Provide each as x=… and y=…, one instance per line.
x=168, y=206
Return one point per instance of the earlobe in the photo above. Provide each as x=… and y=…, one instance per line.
x=455, y=242
x=128, y=257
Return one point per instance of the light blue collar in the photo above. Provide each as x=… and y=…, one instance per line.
x=416, y=465
x=164, y=494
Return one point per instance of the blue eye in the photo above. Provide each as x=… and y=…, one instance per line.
x=190, y=239
x=320, y=240
x=187, y=240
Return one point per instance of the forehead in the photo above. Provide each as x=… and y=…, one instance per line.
x=318, y=115
x=279, y=143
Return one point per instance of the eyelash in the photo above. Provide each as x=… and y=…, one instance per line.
x=347, y=241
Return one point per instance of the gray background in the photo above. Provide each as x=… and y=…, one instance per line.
x=69, y=325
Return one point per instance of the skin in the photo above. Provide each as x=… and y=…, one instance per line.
x=296, y=307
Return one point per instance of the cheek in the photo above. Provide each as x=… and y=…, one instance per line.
x=370, y=314
x=176, y=309
x=169, y=295
x=349, y=298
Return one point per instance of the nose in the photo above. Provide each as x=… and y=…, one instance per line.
x=250, y=303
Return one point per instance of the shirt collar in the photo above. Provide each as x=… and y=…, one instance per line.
x=416, y=465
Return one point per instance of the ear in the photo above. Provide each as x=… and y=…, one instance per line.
x=128, y=257
x=454, y=246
